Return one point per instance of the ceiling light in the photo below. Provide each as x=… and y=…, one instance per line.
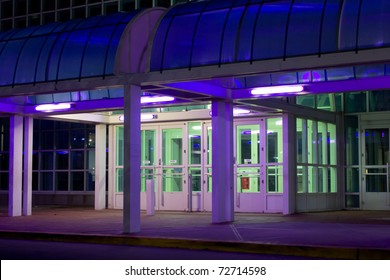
x=154, y=99
x=266, y=91
x=53, y=107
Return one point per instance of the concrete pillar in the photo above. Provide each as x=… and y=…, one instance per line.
x=111, y=167
x=100, y=166
x=289, y=163
x=132, y=160
x=27, y=166
x=222, y=162
x=15, y=166
x=340, y=159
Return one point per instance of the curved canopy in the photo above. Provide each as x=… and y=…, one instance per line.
x=229, y=31
x=70, y=50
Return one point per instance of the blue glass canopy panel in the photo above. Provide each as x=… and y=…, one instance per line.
x=75, y=49
x=217, y=32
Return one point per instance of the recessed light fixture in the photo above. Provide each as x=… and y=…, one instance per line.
x=144, y=117
x=53, y=107
x=155, y=99
x=266, y=91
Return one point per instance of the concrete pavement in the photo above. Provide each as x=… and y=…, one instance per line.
x=328, y=235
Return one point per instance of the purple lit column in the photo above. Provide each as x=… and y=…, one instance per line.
x=289, y=163
x=132, y=160
x=15, y=166
x=100, y=166
x=222, y=162
x=27, y=166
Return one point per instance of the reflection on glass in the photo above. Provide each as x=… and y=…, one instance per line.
x=119, y=179
x=194, y=143
x=196, y=178
x=172, y=146
x=377, y=146
x=148, y=144
x=172, y=180
x=248, y=141
x=274, y=140
x=275, y=179
x=376, y=183
x=119, y=145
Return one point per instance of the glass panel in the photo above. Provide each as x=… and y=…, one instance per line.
x=112, y=50
x=270, y=30
x=230, y=35
x=172, y=149
x=352, y=180
x=330, y=26
x=322, y=143
x=44, y=58
x=62, y=139
x=9, y=57
x=54, y=54
x=25, y=72
x=248, y=179
x=209, y=180
x=158, y=44
x=376, y=13
x=351, y=140
x=302, y=179
x=301, y=141
x=332, y=156
x=206, y=47
x=90, y=164
x=248, y=22
x=4, y=184
x=379, y=100
x=304, y=22
x=46, y=181
x=119, y=179
x=77, y=181
x=348, y=25
x=376, y=183
x=352, y=201
x=46, y=161
x=195, y=172
x=77, y=138
x=312, y=182
x=248, y=141
x=209, y=145
x=332, y=176
x=172, y=180
x=275, y=179
x=148, y=148
x=77, y=160
x=119, y=145
x=355, y=102
x=71, y=56
x=90, y=180
x=194, y=142
x=274, y=140
x=4, y=161
x=95, y=53
x=311, y=145
x=62, y=160
x=146, y=174
x=322, y=180
x=377, y=146
x=61, y=181
x=181, y=30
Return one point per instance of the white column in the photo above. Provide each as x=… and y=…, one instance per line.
x=15, y=166
x=289, y=163
x=132, y=160
x=111, y=167
x=100, y=166
x=340, y=160
x=27, y=166
x=222, y=162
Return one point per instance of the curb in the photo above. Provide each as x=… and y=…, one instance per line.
x=196, y=244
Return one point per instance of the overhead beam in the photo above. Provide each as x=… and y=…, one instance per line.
x=201, y=87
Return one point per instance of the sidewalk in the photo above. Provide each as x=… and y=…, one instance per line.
x=338, y=234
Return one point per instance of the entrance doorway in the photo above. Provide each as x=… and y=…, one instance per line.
x=375, y=166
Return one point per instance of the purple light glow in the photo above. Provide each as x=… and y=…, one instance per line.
x=266, y=91
x=154, y=99
x=53, y=107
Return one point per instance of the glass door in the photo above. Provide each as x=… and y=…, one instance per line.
x=207, y=161
x=148, y=160
x=248, y=169
x=172, y=182
x=376, y=159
